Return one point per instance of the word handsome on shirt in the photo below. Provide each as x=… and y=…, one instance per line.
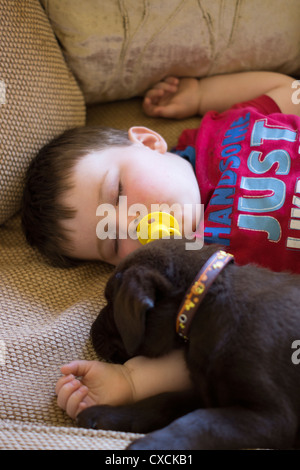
x=263, y=195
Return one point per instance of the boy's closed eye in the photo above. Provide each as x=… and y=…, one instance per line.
x=116, y=242
x=120, y=192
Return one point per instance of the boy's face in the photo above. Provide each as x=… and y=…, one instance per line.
x=143, y=172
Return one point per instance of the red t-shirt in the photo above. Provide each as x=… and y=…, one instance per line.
x=248, y=170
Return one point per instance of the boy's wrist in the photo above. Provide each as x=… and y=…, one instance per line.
x=200, y=106
x=128, y=371
x=151, y=376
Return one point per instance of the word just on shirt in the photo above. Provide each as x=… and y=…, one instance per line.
x=274, y=188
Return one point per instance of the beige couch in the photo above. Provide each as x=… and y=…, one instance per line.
x=55, y=58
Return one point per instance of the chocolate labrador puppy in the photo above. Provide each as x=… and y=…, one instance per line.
x=239, y=351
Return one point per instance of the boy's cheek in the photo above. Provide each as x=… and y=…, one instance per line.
x=128, y=246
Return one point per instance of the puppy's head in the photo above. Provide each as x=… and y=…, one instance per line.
x=143, y=297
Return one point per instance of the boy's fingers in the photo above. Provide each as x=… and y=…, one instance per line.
x=78, y=368
x=169, y=87
x=154, y=110
x=82, y=406
x=154, y=94
x=72, y=406
x=172, y=80
x=62, y=381
x=66, y=392
x=169, y=111
x=149, y=107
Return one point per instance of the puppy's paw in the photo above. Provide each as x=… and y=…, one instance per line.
x=99, y=417
x=157, y=440
x=106, y=417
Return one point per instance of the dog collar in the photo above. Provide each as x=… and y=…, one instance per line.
x=198, y=290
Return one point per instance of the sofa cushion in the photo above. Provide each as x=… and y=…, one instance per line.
x=126, y=113
x=45, y=315
x=117, y=48
x=39, y=97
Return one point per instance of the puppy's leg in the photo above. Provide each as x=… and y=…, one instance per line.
x=223, y=428
x=141, y=417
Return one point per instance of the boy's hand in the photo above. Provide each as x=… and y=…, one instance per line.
x=173, y=98
x=100, y=384
x=180, y=98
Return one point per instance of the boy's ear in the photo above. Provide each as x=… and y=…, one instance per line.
x=147, y=137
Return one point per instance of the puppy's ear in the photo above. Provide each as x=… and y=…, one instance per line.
x=130, y=320
x=135, y=295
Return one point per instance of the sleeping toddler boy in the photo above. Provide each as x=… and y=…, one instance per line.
x=242, y=164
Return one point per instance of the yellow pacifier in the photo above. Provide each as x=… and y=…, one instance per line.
x=157, y=225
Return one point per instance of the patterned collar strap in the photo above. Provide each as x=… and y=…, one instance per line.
x=198, y=290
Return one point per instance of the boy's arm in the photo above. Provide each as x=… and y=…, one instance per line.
x=181, y=98
x=221, y=92
x=104, y=383
x=149, y=377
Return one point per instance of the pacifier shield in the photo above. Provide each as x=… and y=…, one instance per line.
x=157, y=225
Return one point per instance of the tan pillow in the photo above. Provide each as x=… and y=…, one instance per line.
x=39, y=96
x=118, y=48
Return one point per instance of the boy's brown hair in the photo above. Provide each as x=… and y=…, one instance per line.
x=48, y=177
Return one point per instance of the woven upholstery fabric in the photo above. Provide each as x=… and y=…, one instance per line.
x=127, y=113
x=45, y=319
x=39, y=95
x=20, y=436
